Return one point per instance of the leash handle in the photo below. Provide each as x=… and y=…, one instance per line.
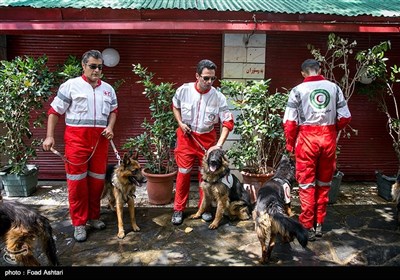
x=115, y=151
x=56, y=152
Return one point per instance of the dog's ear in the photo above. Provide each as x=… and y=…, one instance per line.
x=134, y=154
x=126, y=159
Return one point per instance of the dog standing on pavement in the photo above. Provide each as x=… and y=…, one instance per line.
x=396, y=197
x=20, y=229
x=120, y=186
x=219, y=185
x=271, y=213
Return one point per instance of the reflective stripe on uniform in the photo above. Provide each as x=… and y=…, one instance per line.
x=76, y=177
x=320, y=183
x=184, y=170
x=306, y=186
x=96, y=175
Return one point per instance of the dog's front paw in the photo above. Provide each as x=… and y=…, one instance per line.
x=121, y=234
x=135, y=227
x=195, y=216
x=213, y=225
x=262, y=261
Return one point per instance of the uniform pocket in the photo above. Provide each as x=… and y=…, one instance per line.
x=186, y=112
x=80, y=104
x=211, y=116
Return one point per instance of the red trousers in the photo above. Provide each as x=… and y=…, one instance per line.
x=315, y=165
x=314, y=201
x=85, y=177
x=187, y=152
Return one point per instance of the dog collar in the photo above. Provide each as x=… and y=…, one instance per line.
x=220, y=178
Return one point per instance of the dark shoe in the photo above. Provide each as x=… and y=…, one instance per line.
x=318, y=230
x=206, y=216
x=177, y=218
x=311, y=234
x=80, y=233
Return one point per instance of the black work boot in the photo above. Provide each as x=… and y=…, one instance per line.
x=311, y=234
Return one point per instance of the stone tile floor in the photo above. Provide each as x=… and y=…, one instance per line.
x=359, y=231
x=54, y=193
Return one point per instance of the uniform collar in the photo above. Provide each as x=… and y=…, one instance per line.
x=86, y=80
x=314, y=78
x=204, y=92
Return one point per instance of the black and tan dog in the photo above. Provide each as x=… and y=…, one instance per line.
x=271, y=211
x=120, y=186
x=219, y=185
x=396, y=197
x=20, y=228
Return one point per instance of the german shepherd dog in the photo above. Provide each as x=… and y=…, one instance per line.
x=219, y=185
x=120, y=186
x=396, y=197
x=20, y=229
x=271, y=211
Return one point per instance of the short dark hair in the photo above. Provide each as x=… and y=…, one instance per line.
x=205, y=63
x=310, y=65
x=92, y=53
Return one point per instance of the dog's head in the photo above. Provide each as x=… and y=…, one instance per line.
x=286, y=169
x=215, y=160
x=130, y=168
x=239, y=210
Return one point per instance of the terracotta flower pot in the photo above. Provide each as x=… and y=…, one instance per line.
x=159, y=187
x=253, y=182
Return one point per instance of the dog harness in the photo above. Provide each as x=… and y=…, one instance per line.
x=286, y=188
x=227, y=180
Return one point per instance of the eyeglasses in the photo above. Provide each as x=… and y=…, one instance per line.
x=206, y=78
x=94, y=66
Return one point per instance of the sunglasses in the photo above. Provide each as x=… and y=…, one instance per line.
x=206, y=78
x=94, y=66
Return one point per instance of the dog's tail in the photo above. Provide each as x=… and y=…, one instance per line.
x=48, y=243
x=290, y=228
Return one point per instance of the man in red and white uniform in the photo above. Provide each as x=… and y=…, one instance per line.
x=315, y=112
x=90, y=108
x=197, y=107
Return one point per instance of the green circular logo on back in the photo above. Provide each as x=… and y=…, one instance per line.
x=319, y=98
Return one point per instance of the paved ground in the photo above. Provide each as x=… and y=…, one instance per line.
x=359, y=232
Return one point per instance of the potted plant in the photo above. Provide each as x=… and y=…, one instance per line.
x=259, y=125
x=25, y=85
x=157, y=141
x=335, y=64
x=383, y=92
